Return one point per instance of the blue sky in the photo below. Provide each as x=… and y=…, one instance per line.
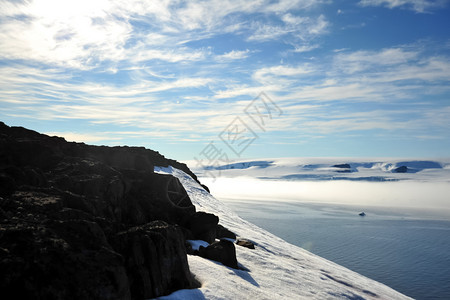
x=350, y=78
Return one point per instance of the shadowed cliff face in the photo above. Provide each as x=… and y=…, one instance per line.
x=89, y=222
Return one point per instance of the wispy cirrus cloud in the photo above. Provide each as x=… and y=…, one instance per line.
x=299, y=28
x=388, y=73
x=234, y=54
x=182, y=70
x=420, y=6
x=85, y=35
x=363, y=60
x=345, y=94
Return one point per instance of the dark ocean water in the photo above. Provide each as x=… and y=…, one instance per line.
x=406, y=250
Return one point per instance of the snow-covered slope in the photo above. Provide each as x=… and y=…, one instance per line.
x=277, y=269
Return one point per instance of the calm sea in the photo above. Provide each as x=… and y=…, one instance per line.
x=406, y=250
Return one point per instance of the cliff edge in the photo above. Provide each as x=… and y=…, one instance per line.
x=91, y=222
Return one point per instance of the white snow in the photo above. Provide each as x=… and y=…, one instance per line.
x=196, y=244
x=277, y=269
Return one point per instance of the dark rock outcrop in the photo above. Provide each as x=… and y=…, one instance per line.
x=158, y=259
x=60, y=260
x=20, y=146
x=222, y=232
x=343, y=168
x=205, y=188
x=221, y=251
x=202, y=226
x=90, y=222
x=401, y=169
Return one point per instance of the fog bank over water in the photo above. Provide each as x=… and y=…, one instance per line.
x=410, y=194
x=414, y=183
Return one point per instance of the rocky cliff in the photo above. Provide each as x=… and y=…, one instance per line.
x=92, y=222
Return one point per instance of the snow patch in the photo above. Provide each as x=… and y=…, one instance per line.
x=196, y=244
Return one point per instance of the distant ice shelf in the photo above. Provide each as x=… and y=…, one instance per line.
x=330, y=169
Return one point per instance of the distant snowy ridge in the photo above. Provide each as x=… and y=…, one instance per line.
x=415, y=165
x=330, y=169
x=277, y=269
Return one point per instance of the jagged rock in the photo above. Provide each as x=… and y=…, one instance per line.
x=20, y=147
x=245, y=243
x=205, y=188
x=81, y=222
x=222, y=232
x=221, y=251
x=203, y=226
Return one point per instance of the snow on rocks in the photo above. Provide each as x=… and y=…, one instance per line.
x=196, y=244
x=275, y=269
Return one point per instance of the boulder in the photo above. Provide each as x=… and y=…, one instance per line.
x=205, y=188
x=222, y=232
x=203, y=226
x=221, y=251
x=245, y=243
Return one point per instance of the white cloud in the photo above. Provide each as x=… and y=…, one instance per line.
x=182, y=54
x=419, y=6
x=34, y=86
x=363, y=60
x=242, y=90
x=85, y=137
x=217, y=13
x=380, y=76
x=427, y=69
x=302, y=28
x=264, y=32
x=234, y=54
x=318, y=27
x=339, y=92
x=283, y=70
x=351, y=122
x=286, y=5
x=390, y=66
x=65, y=33
x=101, y=34
x=305, y=48
x=152, y=66
x=281, y=75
